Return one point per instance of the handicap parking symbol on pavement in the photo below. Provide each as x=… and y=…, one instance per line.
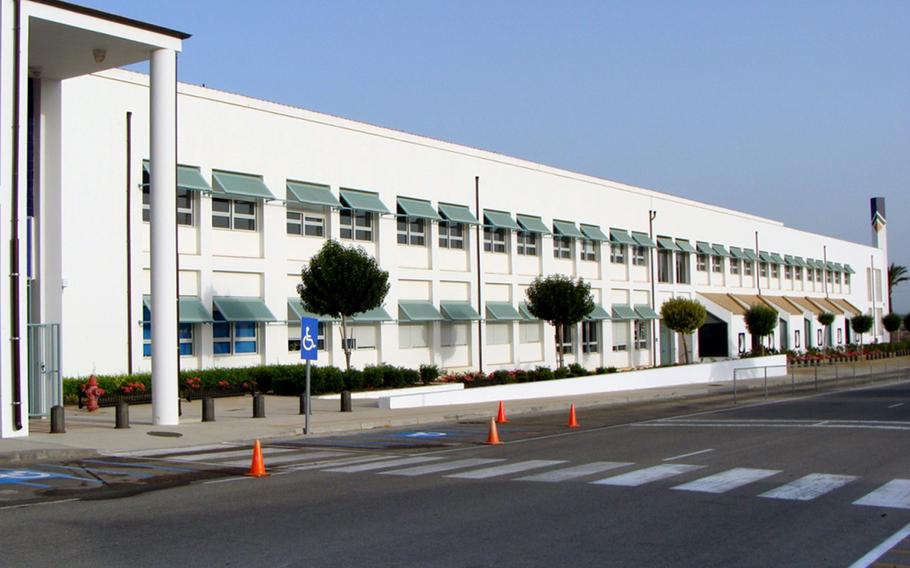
x=28, y=477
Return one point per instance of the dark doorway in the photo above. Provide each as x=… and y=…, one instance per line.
x=713, y=339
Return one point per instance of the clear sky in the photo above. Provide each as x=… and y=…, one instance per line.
x=794, y=110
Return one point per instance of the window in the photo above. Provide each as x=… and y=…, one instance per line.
x=788, y=272
x=763, y=269
x=837, y=277
x=185, y=203
x=233, y=214
x=810, y=275
x=775, y=271
x=238, y=337
x=451, y=235
x=617, y=253
x=589, y=250
x=828, y=276
x=356, y=225
x=796, y=339
x=184, y=336
x=682, y=268
x=499, y=333
x=413, y=335
x=565, y=343
x=589, y=338
x=639, y=256
x=735, y=263
x=306, y=222
x=818, y=275
x=411, y=230
x=717, y=264
x=748, y=267
x=562, y=247
x=847, y=279
x=741, y=342
x=798, y=272
x=362, y=336
x=665, y=266
x=494, y=240
x=294, y=337
x=642, y=333
x=840, y=336
x=527, y=243
x=529, y=332
x=701, y=262
x=620, y=336
x=453, y=334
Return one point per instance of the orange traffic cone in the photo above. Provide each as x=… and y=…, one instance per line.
x=573, y=420
x=257, y=468
x=501, y=415
x=493, y=436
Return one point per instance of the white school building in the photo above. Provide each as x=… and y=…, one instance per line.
x=155, y=225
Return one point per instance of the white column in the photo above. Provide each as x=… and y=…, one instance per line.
x=164, y=236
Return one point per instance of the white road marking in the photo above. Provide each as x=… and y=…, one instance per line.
x=505, y=469
x=838, y=424
x=690, y=454
x=895, y=495
x=809, y=487
x=342, y=461
x=727, y=480
x=879, y=550
x=170, y=451
x=558, y=475
x=214, y=456
x=896, y=405
x=288, y=458
x=648, y=474
x=440, y=467
x=381, y=465
x=227, y=480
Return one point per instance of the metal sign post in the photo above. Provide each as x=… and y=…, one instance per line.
x=309, y=331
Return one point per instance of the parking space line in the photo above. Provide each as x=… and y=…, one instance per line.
x=882, y=548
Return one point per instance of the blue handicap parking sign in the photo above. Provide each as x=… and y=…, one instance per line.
x=309, y=331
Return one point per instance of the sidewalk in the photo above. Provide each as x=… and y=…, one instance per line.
x=93, y=433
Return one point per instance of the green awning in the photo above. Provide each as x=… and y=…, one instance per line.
x=666, y=243
x=502, y=311
x=532, y=224
x=525, y=313
x=457, y=214
x=848, y=269
x=240, y=185
x=189, y=309
x=705, y=248
x=750, y=254
x=593, y=233
x=738, y=253
x=295, y=306
x=420, y=208
x=829, y=266
x=363, y=201
x=799, y=261
x=598, y=313
x=371, y=316
x=719, y=250
x=417, y=310
x=685, y=246
x=790, y=261
x=764, y=256
x=234, y=308
x=838, y=267
x=776, y=259
x=642, y=239
x=312, y=194
x=458, y=311
x=189, y=178
x=645, y=312
x=567, y=229
x=500, y=220
x=624, y=312
x=621, y=237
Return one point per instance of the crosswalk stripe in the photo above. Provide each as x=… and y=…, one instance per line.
x=809, y=487
x=648, y=474
x=170, y=451
x=727, y=480
x=214, y=456
x=440, y=467
x=289, y=458
x=505, y=469
x=339, y=462
x=558, y=475
x=382, y=465
x=895, y=494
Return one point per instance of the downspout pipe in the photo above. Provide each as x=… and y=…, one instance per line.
x=652, y=214
x=15, y=315
x=129, y=245
x=479, y=243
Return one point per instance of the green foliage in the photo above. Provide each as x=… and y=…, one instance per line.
x=892, y=322
x=576, y=370
x=561, y=301
x=897, y=274
x=826, y=318
x=907, y=322
x=683, y=316
x=760, y=321
x=861, y=324
x=428, y=373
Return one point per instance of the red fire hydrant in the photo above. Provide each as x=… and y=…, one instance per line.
x=92, y=392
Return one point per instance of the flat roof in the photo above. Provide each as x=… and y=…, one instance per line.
x=113, y=18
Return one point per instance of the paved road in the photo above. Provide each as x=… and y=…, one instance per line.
x=817, y=481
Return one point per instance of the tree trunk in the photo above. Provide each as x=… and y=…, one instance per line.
x=344, y=343
x=685, y=348
x=559, y=355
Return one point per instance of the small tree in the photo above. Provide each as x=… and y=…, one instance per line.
x=560, y=301
x=340, y=282
x=892, y=323
x=684, y=316
x=897, y=274
x=760, y=321
x=907, y=322
x=861, y=324
x=826, y=319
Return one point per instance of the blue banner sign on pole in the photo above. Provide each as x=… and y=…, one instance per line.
x=309, y=331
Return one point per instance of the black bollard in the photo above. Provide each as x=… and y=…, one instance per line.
x=123, y=415
x=208, y=409
x=302, y=404
x=58, y=420
x=346, y=401
x=258, y=406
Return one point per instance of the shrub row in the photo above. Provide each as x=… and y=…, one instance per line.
x=506, y=377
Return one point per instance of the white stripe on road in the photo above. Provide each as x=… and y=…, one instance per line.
x=440, y=467
x=648, y=474
x=289, y=459
x=880, y=550
x=896, y=405
x=213, y=456
x=382, y=465
x=689, y=455
x=505, y=469
x=895, y=495
x=170, y=451
x=558, y=475
x=809, y=487
x=727, y=480
x=342, y=461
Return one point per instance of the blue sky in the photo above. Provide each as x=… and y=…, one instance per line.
x=796, y=110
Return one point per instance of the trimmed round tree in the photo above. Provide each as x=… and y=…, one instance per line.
x=560, y=301
x=342, y=281
x=760, y=321
x=826, y=319
x=892, y=323
x=684, y=316
x=861, y=324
